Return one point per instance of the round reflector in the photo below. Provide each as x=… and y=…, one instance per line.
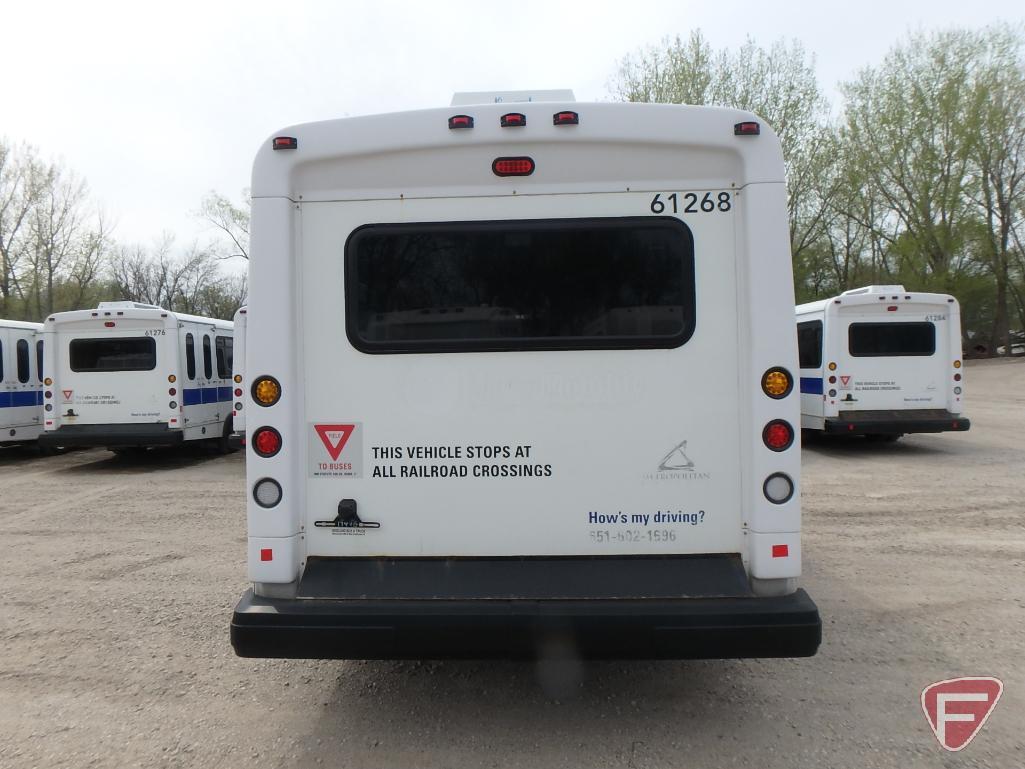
x=266, y=441
x=778, y=488
x=776, y=382
x=267, y=492
x=266, y=391
x=778, y=435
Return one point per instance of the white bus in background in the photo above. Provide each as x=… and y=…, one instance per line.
x=238, y=412
x=130, y=376
x=521, y=373
x=881, y=361
x=21, y=382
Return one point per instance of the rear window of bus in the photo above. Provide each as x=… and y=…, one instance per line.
x=125, y=354
x=518, y=285
x=872, y=340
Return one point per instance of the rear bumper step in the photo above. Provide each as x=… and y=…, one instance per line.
x=710, y=616
x=115, y=435
x=896, y=422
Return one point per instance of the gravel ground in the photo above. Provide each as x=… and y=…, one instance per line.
x=114, y=605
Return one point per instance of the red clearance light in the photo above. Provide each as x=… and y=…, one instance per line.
x=266, y=554
x=780, y=551
x=778, y=435
x=892, y=308
x=267, y=441
x=109, y=324
x=513, y=119
x=747, y=128
x=565, y=118
x=285, y=143
x=460, y=121
x=513, y=166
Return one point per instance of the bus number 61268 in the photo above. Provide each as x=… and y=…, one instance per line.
x=692, y=205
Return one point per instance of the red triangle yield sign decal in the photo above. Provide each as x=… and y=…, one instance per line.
x=845, y=380
x=334, y=437
x=67, y=394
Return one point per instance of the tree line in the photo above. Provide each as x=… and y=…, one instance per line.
x=58, y=250
x=917, y=176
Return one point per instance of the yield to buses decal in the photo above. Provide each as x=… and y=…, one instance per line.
x=336, y=449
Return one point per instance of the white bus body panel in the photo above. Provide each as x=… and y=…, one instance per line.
x=238, y=415
x=624, y=435
x=91, y=400
x=885, y=383
x=21, y=403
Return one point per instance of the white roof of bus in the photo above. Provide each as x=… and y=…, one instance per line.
x=21, y=325
x=870, y=295
x=616, y=146
x=133, y=310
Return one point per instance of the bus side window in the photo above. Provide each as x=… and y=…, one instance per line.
x=190, y=356
x=23, y=361
x=39, y=359
x=809, y=344
x=224, y=346
x=208, y=366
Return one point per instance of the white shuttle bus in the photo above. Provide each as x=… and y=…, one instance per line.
x=881, y=361
x=130, y=376
x=523, y=371
x=21, y=382
x=238, y=411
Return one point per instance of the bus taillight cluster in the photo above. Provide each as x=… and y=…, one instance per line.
x=778, y=434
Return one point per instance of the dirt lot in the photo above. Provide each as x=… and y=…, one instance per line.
x=117, y=581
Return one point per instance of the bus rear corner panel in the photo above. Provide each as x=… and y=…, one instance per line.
x=621, y=607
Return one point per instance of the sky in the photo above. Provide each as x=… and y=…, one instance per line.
x=157, y=103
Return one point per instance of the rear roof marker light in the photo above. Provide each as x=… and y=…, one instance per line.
x=513, y=119
x=460, y=121
x=518, y=166
x=747, y=128
x=284, y=143
x=565, y=118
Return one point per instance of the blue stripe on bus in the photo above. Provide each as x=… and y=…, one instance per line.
x=197, y=395
x=811, y=385
x=22, y=398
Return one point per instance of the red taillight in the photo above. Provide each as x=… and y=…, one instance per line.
x=109, y=324
x=747, y=128
x=565, y=118
x=513, y=119
x=460, y=121
x=778, y=435
x=780, y=551
x=172, y=391
x=957, y=377
x=238, y=392
x=892, y=308
x=513, y=166
x=266, y=441
x=266, y=554
x=285, y=143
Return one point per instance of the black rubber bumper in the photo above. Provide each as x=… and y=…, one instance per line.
x=112, y=436
x=895, y=425
x=592, y=628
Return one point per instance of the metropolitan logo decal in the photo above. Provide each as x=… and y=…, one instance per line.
x=676, y=465
x=336, y=449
